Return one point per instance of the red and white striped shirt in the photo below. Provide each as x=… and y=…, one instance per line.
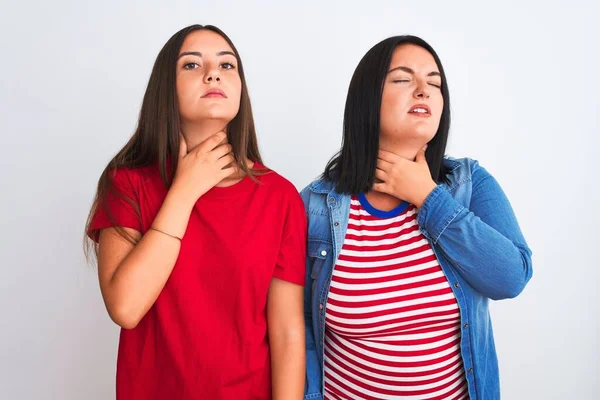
x=392, y=321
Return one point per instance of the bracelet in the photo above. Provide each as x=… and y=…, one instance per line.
x=166, y=233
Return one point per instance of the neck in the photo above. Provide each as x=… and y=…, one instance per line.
x=197, y=132
x=404, y=149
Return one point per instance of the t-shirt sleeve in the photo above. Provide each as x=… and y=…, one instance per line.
x=291, y=261
x=117, y=205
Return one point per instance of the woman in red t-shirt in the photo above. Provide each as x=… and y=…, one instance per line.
x=201, y=249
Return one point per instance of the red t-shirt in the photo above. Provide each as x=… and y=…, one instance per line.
x=205, y=337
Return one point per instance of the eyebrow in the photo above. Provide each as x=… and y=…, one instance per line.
x=410, y=71
x=198, y=54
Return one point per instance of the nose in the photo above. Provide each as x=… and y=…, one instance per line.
x=212, y=75
x=422, y=91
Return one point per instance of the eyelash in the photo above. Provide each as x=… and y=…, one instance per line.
x=186, y=65
x=404, y=80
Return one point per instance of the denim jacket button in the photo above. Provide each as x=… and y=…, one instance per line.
x=456, y=285
x=321, y=306
x=323, y=253
x=336, y=223
x=470, y=370
x=465, y=325
x=331, y=200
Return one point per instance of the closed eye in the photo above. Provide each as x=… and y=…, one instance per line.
x=436, y=85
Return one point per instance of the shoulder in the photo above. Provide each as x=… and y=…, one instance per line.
x=275, y=182
x=455, y=165
x=134, y=179
x=463, y=170
x=278, y=186
x=466, y=172
x=317, y=191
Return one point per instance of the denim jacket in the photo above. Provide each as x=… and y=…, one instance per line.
x=473, y=232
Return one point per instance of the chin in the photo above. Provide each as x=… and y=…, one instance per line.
x=426, y=136
x=217, y=114
x=424, y=132
x=417, y=135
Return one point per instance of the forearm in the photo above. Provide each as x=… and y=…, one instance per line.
x=288, y=368
x=141, y=276
x=497, y=265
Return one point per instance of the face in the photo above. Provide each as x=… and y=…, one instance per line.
x=412, y=102
x=208, y=81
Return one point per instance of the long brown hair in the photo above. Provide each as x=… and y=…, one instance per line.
x=156, y=138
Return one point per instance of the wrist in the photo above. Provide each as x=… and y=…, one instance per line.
x=174, y=214
x=427, y=189
x=182, y=196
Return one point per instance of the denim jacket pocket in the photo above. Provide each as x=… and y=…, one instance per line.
x=318, y=250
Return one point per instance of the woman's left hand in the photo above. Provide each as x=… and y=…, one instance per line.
x=404, y=179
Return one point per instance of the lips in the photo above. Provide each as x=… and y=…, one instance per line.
x=420, y=110
x=214, y=93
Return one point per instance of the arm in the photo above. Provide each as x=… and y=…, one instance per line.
x=132, y=275
x=285, y=320
x=313, y=368
x=484, y=242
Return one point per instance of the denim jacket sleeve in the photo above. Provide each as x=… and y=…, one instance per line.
x=484, y=241
x=312, y=386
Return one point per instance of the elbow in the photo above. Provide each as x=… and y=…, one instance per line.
x=122, y=308
x=123, y=316
x=290, y=338
x=509, y=292
x=515, y=286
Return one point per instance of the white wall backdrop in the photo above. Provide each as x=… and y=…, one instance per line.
x=524, y=82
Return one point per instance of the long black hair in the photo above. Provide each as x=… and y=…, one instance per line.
x=353, y=167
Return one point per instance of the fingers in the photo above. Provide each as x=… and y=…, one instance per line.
x=221, y=150
x=212, y=142
x=384, y=165
x=225, y=160
x=182, y=147
x=226, y=172
x=387, y=156
x=380, y=174
x=381, y=187
x=420, y=158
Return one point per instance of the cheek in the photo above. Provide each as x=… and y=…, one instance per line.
x=181, y=97
x=236, y=88
x=440, y=102
x=235, y=93
x=184, y=91
x=393, y=108
x=439, y=107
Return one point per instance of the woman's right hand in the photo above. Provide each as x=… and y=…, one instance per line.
x=202, y=168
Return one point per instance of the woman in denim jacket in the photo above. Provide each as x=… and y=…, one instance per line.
x=405, y=245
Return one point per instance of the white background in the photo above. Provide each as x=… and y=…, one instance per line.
x=524, y=84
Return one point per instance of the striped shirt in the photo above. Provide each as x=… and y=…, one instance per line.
x=392, y=321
